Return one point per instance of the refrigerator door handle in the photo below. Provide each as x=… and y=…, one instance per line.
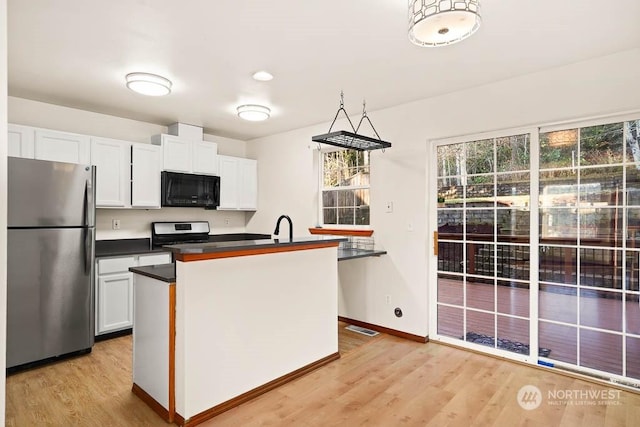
x=88, y=251
x=89, y=210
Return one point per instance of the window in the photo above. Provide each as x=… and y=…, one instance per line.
x=345, y=187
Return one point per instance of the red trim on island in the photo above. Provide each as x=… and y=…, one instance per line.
x=252, y=394
x=151, y=402
x=172, y=352
x=253, y=251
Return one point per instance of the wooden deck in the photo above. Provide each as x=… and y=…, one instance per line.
x=603, y=310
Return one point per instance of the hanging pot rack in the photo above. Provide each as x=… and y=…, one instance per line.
x=352, y=140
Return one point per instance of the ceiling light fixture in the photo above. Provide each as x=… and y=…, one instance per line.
x=254, y=113
x=148, y=84
x=262, y=76
x=442, y=22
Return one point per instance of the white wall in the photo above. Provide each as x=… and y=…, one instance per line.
x=49, y=116
x=3, y=203
x=133, y=222
x=136, y=223
x=288, y=175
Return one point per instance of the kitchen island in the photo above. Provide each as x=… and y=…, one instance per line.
x=232, y=321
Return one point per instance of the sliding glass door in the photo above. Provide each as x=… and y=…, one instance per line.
x=483, y=226
x=589, y=186
x=538, y=246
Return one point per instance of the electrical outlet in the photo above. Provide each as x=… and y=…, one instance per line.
x=387, y=299
x=227, y=221
x=115, y=224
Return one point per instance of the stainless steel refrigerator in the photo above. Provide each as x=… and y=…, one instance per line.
x=50, y=260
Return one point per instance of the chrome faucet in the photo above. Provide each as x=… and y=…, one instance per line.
x=277, y=230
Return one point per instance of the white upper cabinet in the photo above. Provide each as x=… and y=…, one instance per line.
x=21, y=141
x=146, y=160
x=248, y=176
x=127, y=174
x=62, y=147
x=205, y=158
x=228, y=168
x=238, y=183
x=112, y=160
x=176, y=153
x=187, y=156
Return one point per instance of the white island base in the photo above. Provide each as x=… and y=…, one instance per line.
x=244, y=322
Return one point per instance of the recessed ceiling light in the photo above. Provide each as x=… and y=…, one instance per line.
x=148, y=84
x=262, y=76
x=254, y=113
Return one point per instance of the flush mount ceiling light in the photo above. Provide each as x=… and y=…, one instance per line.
x=148, y=84
x=254, y=113
x=262, y=76
x=442, y=22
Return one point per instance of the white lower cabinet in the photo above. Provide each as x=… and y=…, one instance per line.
x=115, y=296
x=114, y=290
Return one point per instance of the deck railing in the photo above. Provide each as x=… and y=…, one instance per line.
x=599, y=265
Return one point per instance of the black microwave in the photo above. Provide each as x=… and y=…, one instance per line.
x=189, y=190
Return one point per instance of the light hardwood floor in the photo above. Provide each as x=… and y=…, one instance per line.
x=380, y=381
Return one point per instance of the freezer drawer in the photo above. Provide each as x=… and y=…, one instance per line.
x=49, y=293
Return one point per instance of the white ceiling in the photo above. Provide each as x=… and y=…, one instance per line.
x=77, y=52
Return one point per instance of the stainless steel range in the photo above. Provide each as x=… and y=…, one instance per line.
x=177, y=232
x=171, y=233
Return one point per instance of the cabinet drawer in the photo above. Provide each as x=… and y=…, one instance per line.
x=115, y=265
x=154, y=259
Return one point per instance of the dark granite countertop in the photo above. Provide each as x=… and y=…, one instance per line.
x=345, y=254
x=231, y=246
x=121, y=247
x=163, y=272
x=167, y=272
